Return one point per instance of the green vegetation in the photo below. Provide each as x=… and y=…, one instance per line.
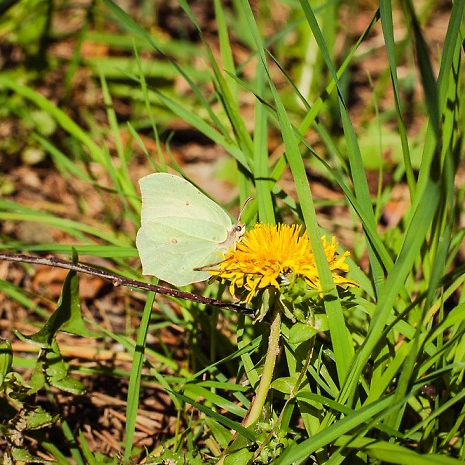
x=363, y=102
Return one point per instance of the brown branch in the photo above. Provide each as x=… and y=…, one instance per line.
x=121, y=281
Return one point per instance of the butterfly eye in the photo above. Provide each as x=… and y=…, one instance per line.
x=237, y=233
x=239, y=228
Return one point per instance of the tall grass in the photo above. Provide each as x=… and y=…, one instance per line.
x=383, y=381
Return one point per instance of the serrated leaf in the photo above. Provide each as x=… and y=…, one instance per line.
x=68, y=384
x=56, y=372
x=39, y=418
x=52, y=369
x=55, y=366
x=22, y=455
x=38, y=378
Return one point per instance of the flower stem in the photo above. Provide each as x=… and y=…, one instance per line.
x=258, y=403
x=266, y=379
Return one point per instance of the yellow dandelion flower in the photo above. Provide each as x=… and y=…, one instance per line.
x=268, y=254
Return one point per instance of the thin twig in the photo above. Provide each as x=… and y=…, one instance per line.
x=121, y=281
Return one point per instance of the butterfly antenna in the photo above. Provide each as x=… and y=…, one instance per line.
x=243, y=208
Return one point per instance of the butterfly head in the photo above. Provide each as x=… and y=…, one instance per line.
x=234, y=235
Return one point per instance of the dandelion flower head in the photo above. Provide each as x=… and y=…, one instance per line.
x=268, y=255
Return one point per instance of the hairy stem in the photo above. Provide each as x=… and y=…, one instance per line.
x=266, y=379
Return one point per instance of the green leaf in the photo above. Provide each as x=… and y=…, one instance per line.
x=241, y=457
x=301, y=332
x=394, y=453
x=56, y=372
x=221, y=434
x=20, y=455
x=332, y=433
x=6, y=358
x=66, y=317
x=38, y=418
x=285, y=384
x=68, y=384
x=245, y=433
x=38, y=378
x=52, y=369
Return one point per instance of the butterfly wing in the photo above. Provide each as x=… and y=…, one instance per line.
x=168, y=196
x=181, y=230
x=172, y=255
